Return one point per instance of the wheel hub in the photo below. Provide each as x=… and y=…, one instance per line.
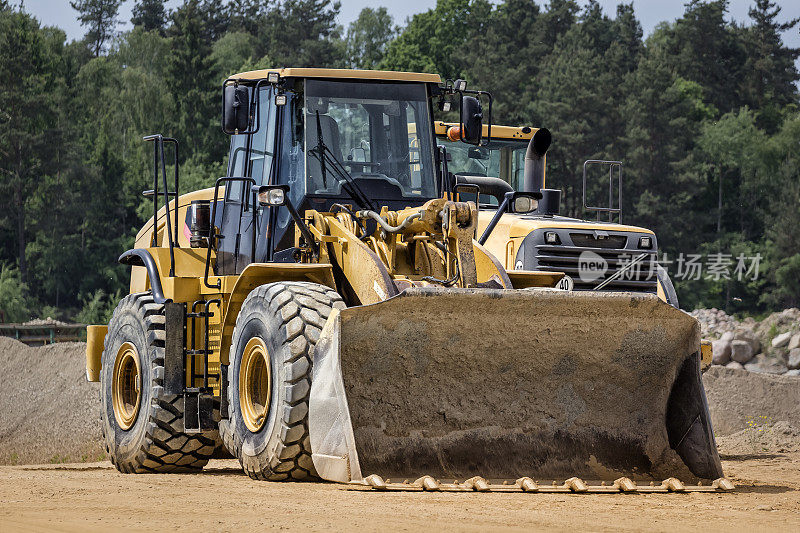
x=126, y=386
x=255, y=384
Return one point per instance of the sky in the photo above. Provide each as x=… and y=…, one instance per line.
x=649, y=12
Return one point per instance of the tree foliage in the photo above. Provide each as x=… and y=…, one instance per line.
x=702, y=112
x=100, y=17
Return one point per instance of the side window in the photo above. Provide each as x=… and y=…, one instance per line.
x=257, y=162
x=263, y=148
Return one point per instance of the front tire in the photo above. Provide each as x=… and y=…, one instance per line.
x=269, y=378
x=143, y=426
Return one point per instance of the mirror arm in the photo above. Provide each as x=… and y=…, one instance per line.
x=304, y=231
x=501, y=210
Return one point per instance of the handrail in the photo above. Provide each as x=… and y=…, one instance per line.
x=158, y=150
x=212, y=231
x=610, y=209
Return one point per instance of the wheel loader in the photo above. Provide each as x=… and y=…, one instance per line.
x=326, y=311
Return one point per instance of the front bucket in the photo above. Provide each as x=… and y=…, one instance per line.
x=548, y=384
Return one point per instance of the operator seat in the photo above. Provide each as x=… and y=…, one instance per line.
x=330, y=137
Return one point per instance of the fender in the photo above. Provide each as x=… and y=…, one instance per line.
x=141, y=257
x=256, y=274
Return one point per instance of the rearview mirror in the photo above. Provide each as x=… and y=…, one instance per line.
x=235, y=109
x=471, y=120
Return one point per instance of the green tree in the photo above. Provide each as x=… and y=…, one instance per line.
x=29, y=98
x=247, y=15
x=368, y=36
x=506, y=57
x=702, y=47
x=662, y=189
x=303, y=33
x=231, y=52
x=13, y=301
x=770, y=74
x=150, y=15
x=432, y=40
x=731, y=147
x=100, y=17
x=193, y=83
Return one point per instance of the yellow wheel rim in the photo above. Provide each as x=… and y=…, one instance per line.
x=126, y=387
x=255, y=384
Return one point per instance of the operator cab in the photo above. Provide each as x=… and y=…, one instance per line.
x=336, y=138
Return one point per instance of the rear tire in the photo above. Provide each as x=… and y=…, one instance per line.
x=270, y=375
x=144, y=431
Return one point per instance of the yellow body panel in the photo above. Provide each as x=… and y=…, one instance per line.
x=498, y=132
x=144, y=236
x=339, y=73
x=512, y=229
x=256, y=274
x=95, y=336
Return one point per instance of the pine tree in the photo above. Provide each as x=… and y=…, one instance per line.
x=770, y=73
x=702, y=47
x=192, y=82
x=505, y=57
x=303, y=33
x=150, y=15
x=100, y=17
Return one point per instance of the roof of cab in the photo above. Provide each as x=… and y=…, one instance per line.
x=498, y=132
x=386, y=75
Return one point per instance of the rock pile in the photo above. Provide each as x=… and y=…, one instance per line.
x=771, y=346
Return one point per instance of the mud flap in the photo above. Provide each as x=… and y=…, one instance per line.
x=509, y=383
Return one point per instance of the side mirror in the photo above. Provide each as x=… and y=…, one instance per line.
x=516, y=202
x=235, y=109
x=271, y=195
x=471, y=120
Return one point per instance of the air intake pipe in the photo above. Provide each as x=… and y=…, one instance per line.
x=534, y=160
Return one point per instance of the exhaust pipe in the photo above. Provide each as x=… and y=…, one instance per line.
x=534, y=160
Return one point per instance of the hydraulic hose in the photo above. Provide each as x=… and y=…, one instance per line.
x=385, y=225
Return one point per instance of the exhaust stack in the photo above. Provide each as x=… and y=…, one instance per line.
x=535, y=159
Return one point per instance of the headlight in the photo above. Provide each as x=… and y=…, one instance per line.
x=551, y=237
x=645, y=242
x=272, y=197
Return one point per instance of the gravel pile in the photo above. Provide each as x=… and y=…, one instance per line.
x=48, y=411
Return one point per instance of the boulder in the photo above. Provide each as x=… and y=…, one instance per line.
x=735, y=365
x=727, y=336
x=741, y=351
x=794, y=359
x=722, y=352
x=793, y=373
x=794, y=342
x=743, y=333
x=782, y=340
x=766, y=365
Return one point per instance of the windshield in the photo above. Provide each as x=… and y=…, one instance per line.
x=499, y=159
x=378, y=133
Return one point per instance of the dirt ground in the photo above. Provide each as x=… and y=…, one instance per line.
x=94, y=497
x=755, y=419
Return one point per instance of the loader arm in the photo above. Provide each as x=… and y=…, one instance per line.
x=422, y=246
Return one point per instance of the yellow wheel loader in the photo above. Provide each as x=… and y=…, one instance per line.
x=545, y=240
x=326, y=310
